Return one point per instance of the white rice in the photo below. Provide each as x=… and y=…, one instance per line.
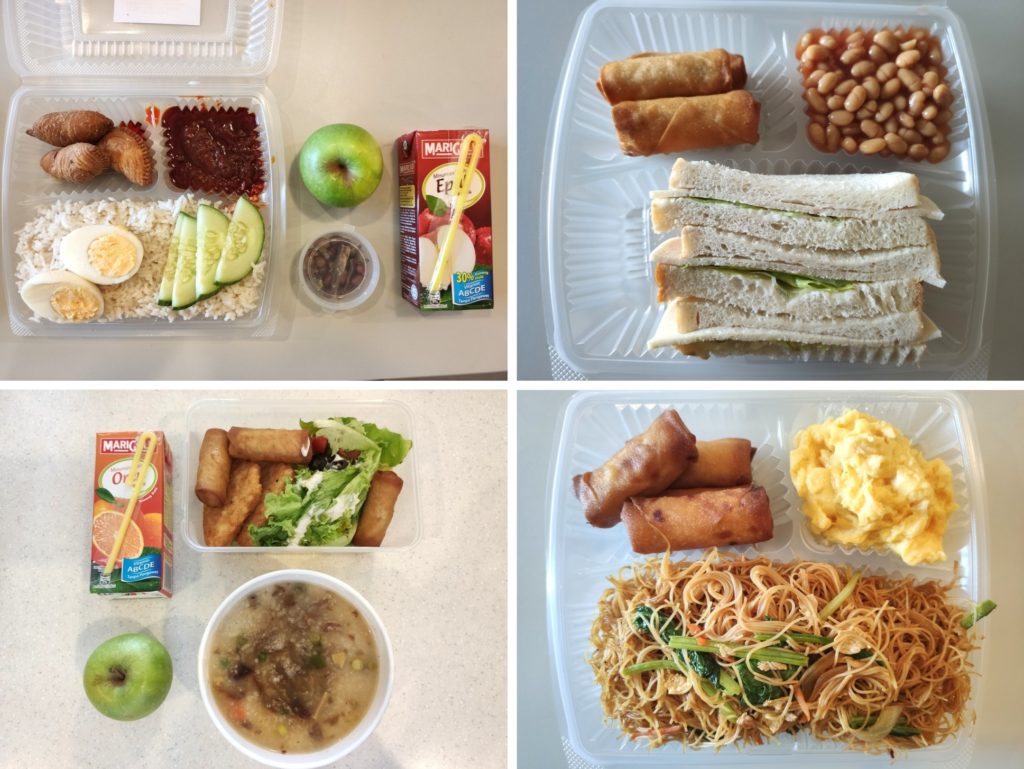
x=152, y=221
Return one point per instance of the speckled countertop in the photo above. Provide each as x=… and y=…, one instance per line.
x=443, y=601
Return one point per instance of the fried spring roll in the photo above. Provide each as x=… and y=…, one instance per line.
x=646, y=465
x=721, y=463
x=679, y=124
x=658, y=75
x=273, y=478
x=221, y=524
x=214, y=468
x=378, y=509
x=293, y=447
x=698, y=518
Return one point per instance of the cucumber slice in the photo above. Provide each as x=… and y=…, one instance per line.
x=212, y=230
x=243, y=246
x=183, y=294
x=163, y=296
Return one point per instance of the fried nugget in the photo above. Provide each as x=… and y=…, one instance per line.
x=221, y=524
x=273, y=477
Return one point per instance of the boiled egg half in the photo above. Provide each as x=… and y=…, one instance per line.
x=62, y=296
x=101, y=253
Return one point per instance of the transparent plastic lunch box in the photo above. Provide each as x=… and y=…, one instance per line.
x=72, y=55
x=601, y=306
x=580, y=557
x=404, y=531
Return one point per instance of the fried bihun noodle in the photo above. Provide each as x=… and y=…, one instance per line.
x=731, y=649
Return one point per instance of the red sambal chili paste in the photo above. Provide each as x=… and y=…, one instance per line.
x=214, y=150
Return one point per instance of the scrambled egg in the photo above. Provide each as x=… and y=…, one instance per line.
x=863, y=483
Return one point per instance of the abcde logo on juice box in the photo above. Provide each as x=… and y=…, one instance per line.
x=142, y=563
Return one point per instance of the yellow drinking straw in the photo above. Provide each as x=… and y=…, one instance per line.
x=141, y=462
x=469, y=156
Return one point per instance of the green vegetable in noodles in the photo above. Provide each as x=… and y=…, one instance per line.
x=841, y=597
x=983, y=609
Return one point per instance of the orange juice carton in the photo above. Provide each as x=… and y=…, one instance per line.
x=428, y=198
x=131, y=516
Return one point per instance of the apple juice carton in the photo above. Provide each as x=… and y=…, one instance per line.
x=143, y=565
x=426, y=178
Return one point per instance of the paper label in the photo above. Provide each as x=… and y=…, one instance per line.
x=183, y=12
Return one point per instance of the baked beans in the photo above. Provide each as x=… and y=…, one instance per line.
x=876, y=92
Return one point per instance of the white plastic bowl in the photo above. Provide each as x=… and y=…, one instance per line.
x=374, y=713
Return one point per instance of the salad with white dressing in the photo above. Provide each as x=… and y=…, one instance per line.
x=322, y=503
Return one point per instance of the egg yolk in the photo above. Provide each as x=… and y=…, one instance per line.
x=74, y=303
x=112, y=255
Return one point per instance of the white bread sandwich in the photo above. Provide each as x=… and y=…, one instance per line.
x=863, y=196
x=789, y=228
x=697, y=246
x=805, y=265
x=702, y=329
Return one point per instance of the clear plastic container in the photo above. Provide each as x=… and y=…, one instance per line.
x=74, y=56
x=580, y=557
x=599, y=287
x=404, y=531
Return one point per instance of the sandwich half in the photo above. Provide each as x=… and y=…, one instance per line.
x=815, y=266
x=698, y=246
x=695, y=327
x=862, y=196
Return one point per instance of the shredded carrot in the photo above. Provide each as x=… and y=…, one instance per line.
x=802, y=703
x=702, y=641
x=694, y=629
x=238, y=710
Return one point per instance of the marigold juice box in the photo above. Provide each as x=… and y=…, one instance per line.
x=426, y=178
x=143, y=566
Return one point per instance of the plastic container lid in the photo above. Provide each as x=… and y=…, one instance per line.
x=236, y=38
x=344, y=250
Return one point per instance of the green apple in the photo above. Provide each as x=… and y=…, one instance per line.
x=341, y=164
x=128, y=676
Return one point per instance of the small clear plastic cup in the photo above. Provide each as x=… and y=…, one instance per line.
x=339, y=270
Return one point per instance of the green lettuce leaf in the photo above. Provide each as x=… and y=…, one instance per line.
x=324, y=505
x=792, y=282
x=283, y=513
x=765, y=208
x=393, y=447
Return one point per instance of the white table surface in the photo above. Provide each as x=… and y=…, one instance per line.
x=375, y=64
x=544, y=32
x=443, y=601
x=999, y=423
